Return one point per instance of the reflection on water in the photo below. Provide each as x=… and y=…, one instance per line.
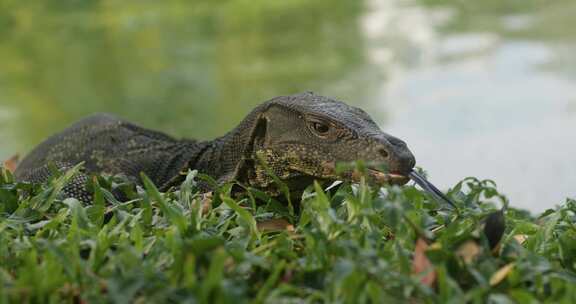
x=483, y=88
x=493, y=100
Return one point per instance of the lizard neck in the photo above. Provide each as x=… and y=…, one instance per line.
x=223, y=157
x=218, y=159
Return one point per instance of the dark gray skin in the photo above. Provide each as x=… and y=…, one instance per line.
x=300, y=138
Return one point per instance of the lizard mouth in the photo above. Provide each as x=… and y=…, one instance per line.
x=373, y=175
x=387, y=178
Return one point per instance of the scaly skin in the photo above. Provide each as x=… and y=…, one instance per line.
x=299, y=138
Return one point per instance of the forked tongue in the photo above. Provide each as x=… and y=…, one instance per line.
x=428, y=187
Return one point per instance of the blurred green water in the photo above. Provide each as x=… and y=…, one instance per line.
x=192, y=68
x=195, y=68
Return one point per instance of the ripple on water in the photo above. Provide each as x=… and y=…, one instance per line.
x=505, y=119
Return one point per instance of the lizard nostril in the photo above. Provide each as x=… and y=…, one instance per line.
x=412, y=162
x=383, y=152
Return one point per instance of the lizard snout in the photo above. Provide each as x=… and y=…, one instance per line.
x=396, y=155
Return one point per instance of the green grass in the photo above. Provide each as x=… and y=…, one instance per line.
x=352, y=245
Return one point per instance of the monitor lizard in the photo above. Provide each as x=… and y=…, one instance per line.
x=300, y=138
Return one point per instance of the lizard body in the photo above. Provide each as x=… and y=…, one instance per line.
x=299, y=137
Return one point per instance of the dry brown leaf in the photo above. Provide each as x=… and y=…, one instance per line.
x=422, y=265
x=521, y=238
x=206, y=202
x=501, y=274
x=496, y=250
x=469, y=251
x=435, y=246
x=12, y=163
x=274, y=225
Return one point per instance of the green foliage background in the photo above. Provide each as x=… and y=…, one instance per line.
x=353, y=245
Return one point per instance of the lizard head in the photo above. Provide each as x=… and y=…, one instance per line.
x=303, y=137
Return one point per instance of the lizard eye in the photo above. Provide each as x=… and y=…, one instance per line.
x=321, y=128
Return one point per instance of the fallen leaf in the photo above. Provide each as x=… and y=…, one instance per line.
x=521, y=238
x=469, y=251
x=435, y=246
x=501, y=274
x=12, y=163
x=422, y=265
x=274, y=225
x=206, y=202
